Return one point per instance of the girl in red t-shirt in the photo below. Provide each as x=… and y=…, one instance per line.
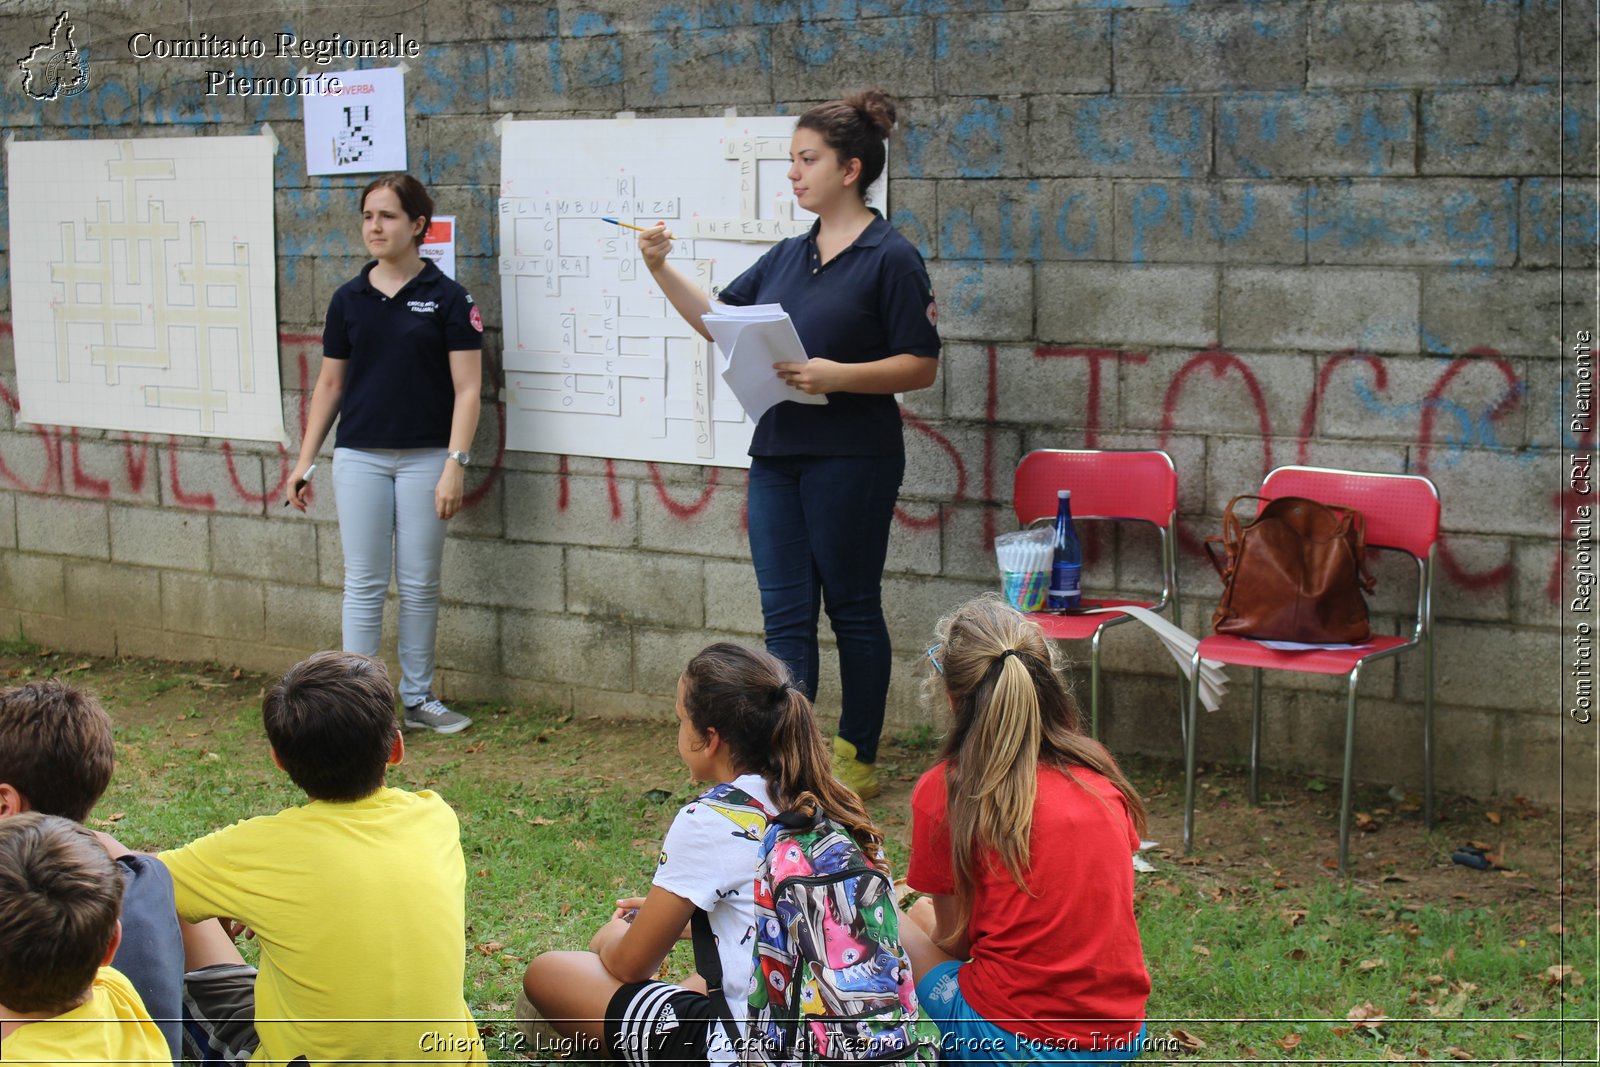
x=1025, y=945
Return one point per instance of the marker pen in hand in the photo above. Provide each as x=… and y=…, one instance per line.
x=300, y=483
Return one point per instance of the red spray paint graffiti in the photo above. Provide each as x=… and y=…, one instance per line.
x=60, y=463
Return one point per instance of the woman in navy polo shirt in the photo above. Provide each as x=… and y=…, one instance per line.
x=402, y=351
x=824, y=478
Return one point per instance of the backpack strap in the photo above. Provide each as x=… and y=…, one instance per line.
x=709, y=965
x=707, y=960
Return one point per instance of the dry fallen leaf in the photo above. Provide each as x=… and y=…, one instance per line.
x=1187, y=1041
x=1289, y=1041
x=1557, y=929
x=1452, y=1008
x=1365, y=1015
x=1492, y=816
x=1201, y=950
x=1369, y=965
x=1458, y=1053
x=1296, y=954
x=1561, y=972
x=488, y=948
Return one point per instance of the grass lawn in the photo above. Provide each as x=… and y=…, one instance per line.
x=1256, y=951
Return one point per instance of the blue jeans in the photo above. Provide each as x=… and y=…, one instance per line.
x=387, y=519
x=819, y=535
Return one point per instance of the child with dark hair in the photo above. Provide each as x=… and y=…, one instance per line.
x=357, y=898
x=56, y=758
x=1025, y=945
x=824, y=477
x=60, y=1001
x=743, y=723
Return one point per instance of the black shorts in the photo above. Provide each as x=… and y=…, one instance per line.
x=219, y=1014
x=654, y=1023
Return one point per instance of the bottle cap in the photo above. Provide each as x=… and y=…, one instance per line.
x=1063, y=494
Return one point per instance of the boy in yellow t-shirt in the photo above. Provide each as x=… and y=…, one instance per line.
x=60, y=895
x=357, y=898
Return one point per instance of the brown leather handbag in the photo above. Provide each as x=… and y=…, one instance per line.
x=1297, y=573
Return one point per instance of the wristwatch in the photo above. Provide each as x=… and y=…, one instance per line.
x=463, y=458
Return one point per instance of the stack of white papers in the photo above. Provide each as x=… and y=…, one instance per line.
x=752, y=339
x=1180, y=644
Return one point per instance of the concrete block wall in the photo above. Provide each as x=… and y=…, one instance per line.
x=1345, y=232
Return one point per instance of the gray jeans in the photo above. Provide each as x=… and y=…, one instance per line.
x=387, y=516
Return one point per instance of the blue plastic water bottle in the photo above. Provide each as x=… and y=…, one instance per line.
x=1068, y=562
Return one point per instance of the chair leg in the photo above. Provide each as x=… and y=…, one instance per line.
x=1094, y=685
x=1188, y=753
x=1349, y=774
x=1427, y=730
x=1255, y=736
x=1183, y=707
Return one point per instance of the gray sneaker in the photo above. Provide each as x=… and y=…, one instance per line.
x=431, y=714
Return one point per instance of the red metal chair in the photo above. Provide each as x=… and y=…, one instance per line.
x=1107, y=485
x=1402, y=513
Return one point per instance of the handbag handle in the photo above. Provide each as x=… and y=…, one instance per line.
x=1232, y=533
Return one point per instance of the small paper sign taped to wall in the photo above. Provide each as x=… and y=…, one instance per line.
x=361, y=127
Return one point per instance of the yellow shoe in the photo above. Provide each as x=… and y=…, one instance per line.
x=862, y=777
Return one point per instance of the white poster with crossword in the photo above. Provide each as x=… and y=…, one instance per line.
x=597, y=363
x=143, y=285
x=361, y=129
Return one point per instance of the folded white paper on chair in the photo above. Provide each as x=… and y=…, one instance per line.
x=1181, y=645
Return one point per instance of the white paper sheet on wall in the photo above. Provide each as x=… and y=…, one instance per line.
x=361, y=129
x=143, y=285
x=597, y=362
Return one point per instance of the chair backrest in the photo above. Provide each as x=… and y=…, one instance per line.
x=1401, y=510
x=1105, y=484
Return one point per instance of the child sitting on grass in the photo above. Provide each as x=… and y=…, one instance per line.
x=357, y=898
x=56, y=758
x=1025, y=947
x=60, y=894
x=741, y=723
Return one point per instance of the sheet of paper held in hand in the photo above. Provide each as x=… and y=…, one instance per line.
x=752, y=339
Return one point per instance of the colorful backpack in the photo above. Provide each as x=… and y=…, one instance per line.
x=831, y=980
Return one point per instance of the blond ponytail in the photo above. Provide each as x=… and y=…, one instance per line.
x=1011, y=713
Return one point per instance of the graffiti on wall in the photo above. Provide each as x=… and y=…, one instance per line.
x=1442, y=431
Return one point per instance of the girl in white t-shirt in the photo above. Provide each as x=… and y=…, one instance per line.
x=742, y=723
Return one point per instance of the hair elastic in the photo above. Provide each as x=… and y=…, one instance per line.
x=781, y=691
x=1008, y=652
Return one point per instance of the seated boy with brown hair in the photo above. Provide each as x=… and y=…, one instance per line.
x=60, y=895
x=357, y=898
x=56, y=758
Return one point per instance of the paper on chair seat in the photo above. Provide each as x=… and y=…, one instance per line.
x=752, y=339
x=1299, y=646
x=1181, y=645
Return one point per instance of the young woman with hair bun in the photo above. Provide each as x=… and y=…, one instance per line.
x=824, y=478
x=1024, y=944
